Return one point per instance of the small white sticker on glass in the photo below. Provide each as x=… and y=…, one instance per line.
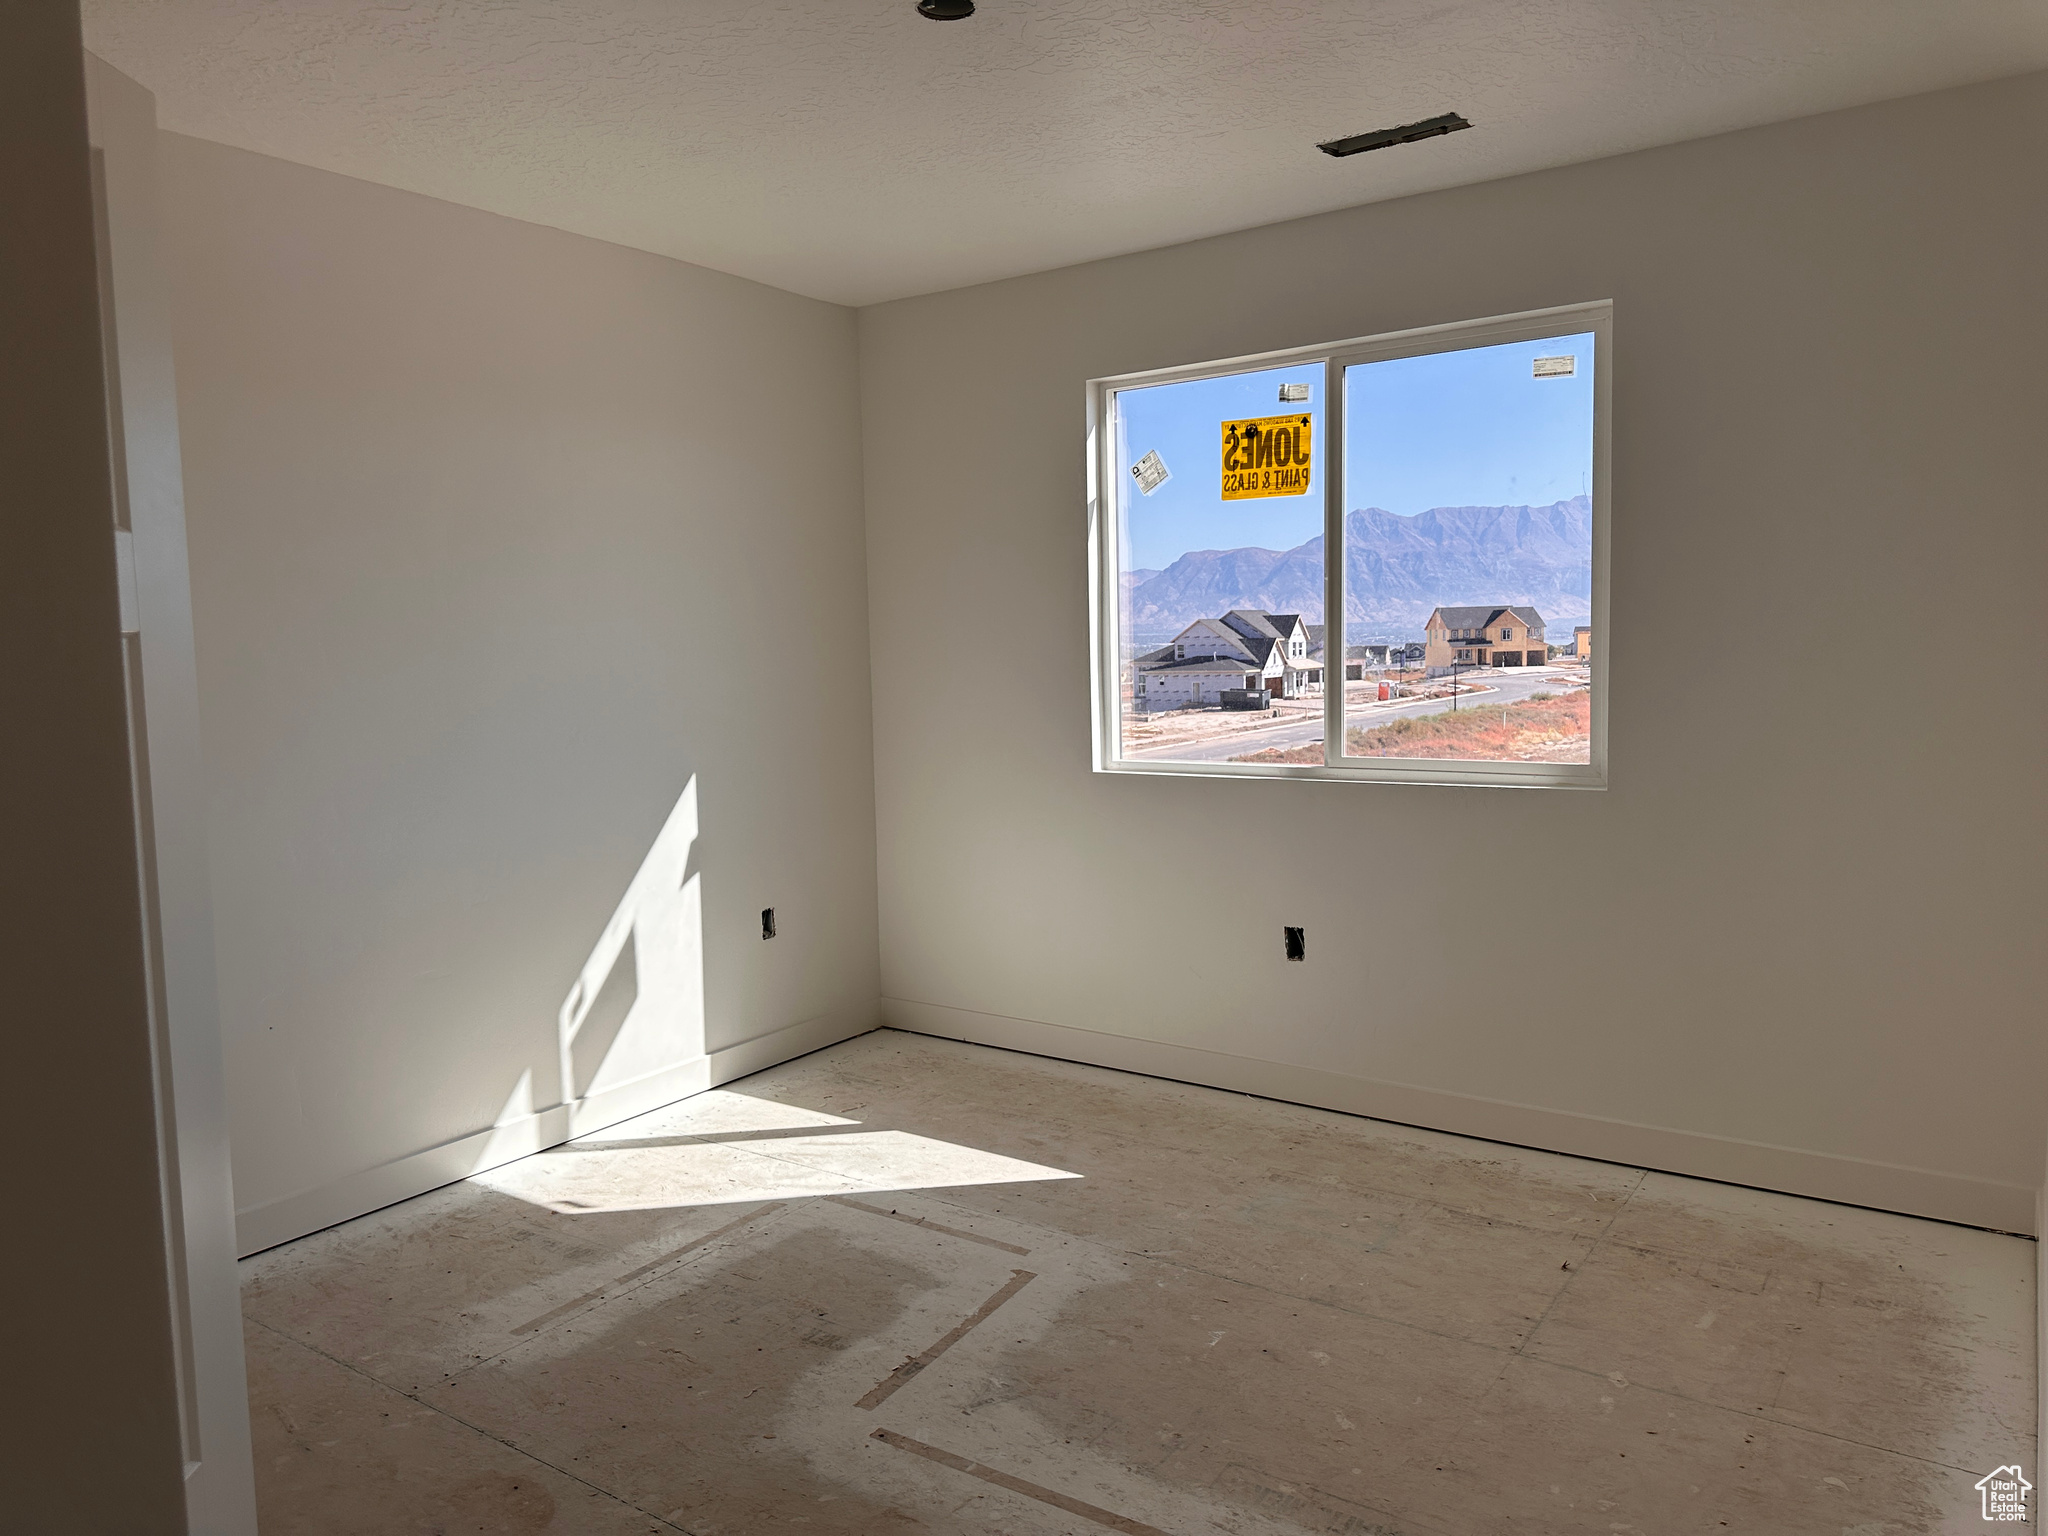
x=1556, y=367
x=1293, y=394
x=1150, y=472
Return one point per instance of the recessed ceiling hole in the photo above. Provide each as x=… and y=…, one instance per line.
x=1384, y=138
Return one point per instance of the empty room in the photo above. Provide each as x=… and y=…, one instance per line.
x=1024, y=768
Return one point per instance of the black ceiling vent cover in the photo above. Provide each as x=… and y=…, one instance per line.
x=1407, y=133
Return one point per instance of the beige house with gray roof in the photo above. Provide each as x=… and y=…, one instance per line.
x=1494, y=635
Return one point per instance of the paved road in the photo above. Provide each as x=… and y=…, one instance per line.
x=1507, y=686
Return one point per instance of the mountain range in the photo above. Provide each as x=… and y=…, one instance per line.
x=1396, y=569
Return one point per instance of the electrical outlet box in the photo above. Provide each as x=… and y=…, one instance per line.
x=1297, y=942
x=767, y=922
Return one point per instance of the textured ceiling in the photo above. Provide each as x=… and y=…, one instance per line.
x=851, y=150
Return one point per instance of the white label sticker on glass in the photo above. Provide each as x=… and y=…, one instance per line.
x=1293, y=394
x=1150, y=472
x=1556, y=367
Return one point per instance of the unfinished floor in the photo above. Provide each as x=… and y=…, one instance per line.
x=908, y=1285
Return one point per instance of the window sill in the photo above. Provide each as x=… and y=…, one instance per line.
x=1407, y=770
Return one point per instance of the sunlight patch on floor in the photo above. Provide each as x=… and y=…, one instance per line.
x=657, y=1160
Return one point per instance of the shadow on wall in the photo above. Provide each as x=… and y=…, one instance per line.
x=631, y=1041
x=630, y=1034
x=638, y=1006
x=587, y=1041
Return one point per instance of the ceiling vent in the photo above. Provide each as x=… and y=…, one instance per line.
x=1407, y=133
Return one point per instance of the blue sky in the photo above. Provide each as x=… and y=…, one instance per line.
x=1451, y=429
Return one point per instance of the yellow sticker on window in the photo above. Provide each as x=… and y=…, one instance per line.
x=1266, y=456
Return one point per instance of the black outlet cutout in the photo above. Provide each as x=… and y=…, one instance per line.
x=767, y=922
x=1297, y=943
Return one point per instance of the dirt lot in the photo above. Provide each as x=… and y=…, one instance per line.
x=1189, y=727
x=1185, y=727
x=1546, y=728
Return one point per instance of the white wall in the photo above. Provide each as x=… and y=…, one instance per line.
x=501, y=538
x=1797, y=940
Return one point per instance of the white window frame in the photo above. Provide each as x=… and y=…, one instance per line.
x=1105, y=614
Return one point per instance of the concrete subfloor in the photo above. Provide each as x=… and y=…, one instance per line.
x=908, y=1285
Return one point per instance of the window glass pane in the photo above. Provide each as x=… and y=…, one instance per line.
x=1219, y=540
x=1468, y=554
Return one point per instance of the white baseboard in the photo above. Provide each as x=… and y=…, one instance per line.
x=356, y=1194
x=1849, y=1180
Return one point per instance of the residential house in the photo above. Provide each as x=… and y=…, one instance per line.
x=1360, y=659
x=1494, y=635
x=1242, y=649
x=1582, y=642
x=1300, y=652
x=1191, y=682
